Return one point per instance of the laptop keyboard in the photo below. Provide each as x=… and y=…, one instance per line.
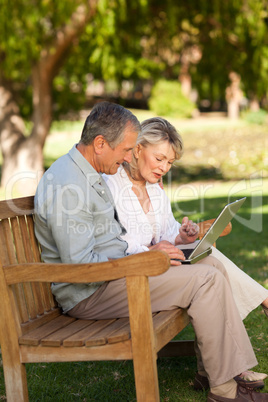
x=187, y=252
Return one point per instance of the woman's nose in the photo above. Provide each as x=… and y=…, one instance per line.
x=164, y=167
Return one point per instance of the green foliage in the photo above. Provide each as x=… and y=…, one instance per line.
x=167, y=99
x=26, y=28
x=136, y=40
x=258, y=117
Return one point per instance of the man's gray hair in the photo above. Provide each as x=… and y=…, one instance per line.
x=109, y=120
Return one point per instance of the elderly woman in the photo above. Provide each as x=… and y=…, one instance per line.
x=145, y=211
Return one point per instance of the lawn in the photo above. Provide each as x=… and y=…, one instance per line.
x=222, y=161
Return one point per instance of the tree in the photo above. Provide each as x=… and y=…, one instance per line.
x=46, y=45
x=37, y=41
x=39, y=38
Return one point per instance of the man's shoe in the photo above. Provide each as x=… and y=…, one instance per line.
x=201, y=383
x=243, y=395
x=253, y=384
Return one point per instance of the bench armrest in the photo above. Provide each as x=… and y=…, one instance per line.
x=205, y=225
x=149, y=263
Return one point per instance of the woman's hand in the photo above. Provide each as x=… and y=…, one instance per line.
x=188, y=232
x=173, y=252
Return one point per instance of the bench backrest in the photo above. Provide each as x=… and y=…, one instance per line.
x=18, y=244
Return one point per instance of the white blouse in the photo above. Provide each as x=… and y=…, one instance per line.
x=140, y=232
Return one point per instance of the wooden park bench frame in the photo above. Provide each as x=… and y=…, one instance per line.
x=33, y=328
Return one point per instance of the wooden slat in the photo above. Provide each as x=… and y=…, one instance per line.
x=25, y=239
x=56, y=338
x=33, y=240
x=45, y=297
x=120, y=335
x=41, y=320
x=8, y=242
x=36, y=302
x=80, y=337
x=32, y=254
x=3, y=250
x=167, y=324
x=20, y=235
x=34, y=337
x=35, y=354
x=16, y=206
x=163, y=318
x=107, y=333
x=11, y=256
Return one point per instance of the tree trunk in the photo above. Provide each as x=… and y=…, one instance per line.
x=254, y=104
x=23, y=156
x=233, y=96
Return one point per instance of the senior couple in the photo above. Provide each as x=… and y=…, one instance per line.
x=120, y=162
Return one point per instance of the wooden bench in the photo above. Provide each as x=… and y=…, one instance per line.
x=33, y=328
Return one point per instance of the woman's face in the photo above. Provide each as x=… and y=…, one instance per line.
x=154, y=161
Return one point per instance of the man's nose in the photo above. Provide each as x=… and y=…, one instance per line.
x=128, y=156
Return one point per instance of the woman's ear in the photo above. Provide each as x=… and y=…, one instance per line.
x=137, y=151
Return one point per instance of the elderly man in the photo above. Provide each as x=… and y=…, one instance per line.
x=76, y=222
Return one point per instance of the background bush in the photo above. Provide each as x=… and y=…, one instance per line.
x=167, y=99
x=258, y=117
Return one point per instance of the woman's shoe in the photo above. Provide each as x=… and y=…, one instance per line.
x=265, y=309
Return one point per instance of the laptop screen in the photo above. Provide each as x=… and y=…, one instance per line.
x=217, y=227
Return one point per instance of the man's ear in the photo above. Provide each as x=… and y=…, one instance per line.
x=99, y=143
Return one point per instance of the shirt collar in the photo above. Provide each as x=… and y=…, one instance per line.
x=91, y=174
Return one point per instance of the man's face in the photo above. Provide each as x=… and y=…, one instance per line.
x=113, y=158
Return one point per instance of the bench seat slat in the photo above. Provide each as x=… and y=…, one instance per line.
x=34, y=337
x=122, y=334
x=56, y=338
x=106, y=334
x=40, y=320
x=80, y=337
x=163, y=318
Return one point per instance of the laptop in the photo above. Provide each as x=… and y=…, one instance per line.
x=203, y=247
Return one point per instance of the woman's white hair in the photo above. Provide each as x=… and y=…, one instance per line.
x=155, y=131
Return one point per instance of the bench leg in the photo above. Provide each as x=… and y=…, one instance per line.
x=14, y=370
x=142, y=339
x=16, y=383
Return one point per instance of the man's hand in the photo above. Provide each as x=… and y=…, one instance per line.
x=172, y=251
x=188, y=232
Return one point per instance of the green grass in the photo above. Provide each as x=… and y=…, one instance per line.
x=193, y=191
